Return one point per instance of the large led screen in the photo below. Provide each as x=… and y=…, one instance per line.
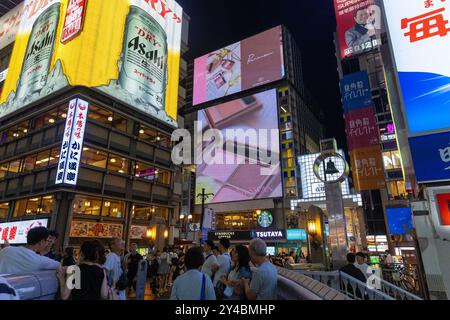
x=129, y=49
x=398, y=219
x=359, y=26
x=236, y=176
x=247, y=64
x=420, y=36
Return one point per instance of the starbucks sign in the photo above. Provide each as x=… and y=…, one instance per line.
x=265, y=219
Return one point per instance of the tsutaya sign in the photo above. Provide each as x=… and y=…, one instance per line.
x=72, y=144
x=136, y=58
x=267, y=235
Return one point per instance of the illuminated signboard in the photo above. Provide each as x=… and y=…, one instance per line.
x=265, y=219
x=244, y=65
x=72, y=143
x=399, y=220
x=9, y=24
x=420, y=36
x=387, y=132
x=16, y=232
x=84, y=229
x=136, y=58
x=296, y=235
x=312, y=187
x=245, y=177
x=359, y=26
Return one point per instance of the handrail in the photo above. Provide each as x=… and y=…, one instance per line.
x=341, y=281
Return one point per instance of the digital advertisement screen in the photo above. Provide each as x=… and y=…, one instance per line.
x=359, y=25
x=247, y=64
x=397, y=218
x=135, y=60
x=420, y=38
x=239, y=176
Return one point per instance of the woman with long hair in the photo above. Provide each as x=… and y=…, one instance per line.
x=241, y=270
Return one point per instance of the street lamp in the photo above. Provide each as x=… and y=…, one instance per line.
x=312, y=228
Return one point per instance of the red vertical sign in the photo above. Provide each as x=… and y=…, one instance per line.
x=73, y=22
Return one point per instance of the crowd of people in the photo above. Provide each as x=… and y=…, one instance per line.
x=208, y=272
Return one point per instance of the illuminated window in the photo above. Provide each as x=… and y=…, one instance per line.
x=93, y=157
x=4, y=207
x=28, y=163
x=397, y=189
x=38, y=206
x=14, y=167
x=118, y=164
x=107, y=117
x=113, y=209
x=154, y=137
x=50, y=117
x=87, y=205
x=42, y=159
x=151, y=173
x=237, y=221
x=392, y=160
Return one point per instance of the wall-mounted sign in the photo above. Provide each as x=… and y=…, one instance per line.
x=16, y=232
x=443, y=200
x=387, y=132
x=72, y=144
x=267, y=235
x=73, y=22
x=82, y=229
x=265, y=219
x=194, y=227
x=138, y=232
x=296, y=235
x=9, y=24
x=356, y=92
x=3, y=75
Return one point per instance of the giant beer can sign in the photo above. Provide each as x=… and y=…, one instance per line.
x=144, y=59
x=127, y=49
x=39, y=52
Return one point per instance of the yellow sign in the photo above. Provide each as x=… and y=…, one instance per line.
x=128, y=49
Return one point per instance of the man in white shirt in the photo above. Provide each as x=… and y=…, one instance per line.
x=17, y=260
x=223, y=265
x=361, y=263
x=113, y=265
x=210, y=258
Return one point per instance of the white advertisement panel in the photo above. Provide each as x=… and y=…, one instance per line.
x=9, y=24
x=16, y=232
x=420, y=37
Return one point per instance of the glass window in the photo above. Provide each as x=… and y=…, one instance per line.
x=87, y=205
x=54, y=156
x=3, y=169
x=113, y=209
x=42, y=159
x=95, y=158
x=154, y=137
x=34, y=206
x=100, y=115
x=28, y=163
x=392, y=160
x=47, y=119
x=118, y=164
x=143, y=212
x=14, y=166
x=4, y=207
x=119, y=123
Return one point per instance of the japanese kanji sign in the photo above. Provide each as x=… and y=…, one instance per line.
x=73, y=23
x=355, y=91
x=361, y=128
x=359, y=26
x=72, y=143
x=367, y=168
x=16, y=232
x=420, y=36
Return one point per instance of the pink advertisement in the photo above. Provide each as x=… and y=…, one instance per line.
x=361, y=128
x=247, y=64
x=239, y=176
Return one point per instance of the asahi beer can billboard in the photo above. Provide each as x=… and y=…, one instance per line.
x=128, y=49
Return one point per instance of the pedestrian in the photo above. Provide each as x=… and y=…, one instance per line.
x=93, y=279
x=193, y=284
x=354, y=272
x=163, y=271
x=216, y=251
x=50, y=251
x=263, y=284
x=116, y=276
x=361, y=263
x=241, y=270
x=173, y=260
x=210, y=258
x=17, y=260
x=7, y=292
x=290, y=258
x=132, y=262
x=222, y=267
x=69, y=259
x=153, y=271
x=389, y=260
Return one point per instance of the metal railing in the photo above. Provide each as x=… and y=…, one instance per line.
x=406, y=277
x=358, y=290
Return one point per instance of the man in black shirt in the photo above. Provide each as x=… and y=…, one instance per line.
x=354, y=272
x=132, y=261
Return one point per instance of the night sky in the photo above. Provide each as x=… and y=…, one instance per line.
x=217, y=23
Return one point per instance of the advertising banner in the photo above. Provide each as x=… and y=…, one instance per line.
x=431, y=157
x=443, y=200
x=244, y=177
x=138, y=232
x=296, y=235
x=135, y=60
x=359, y=26
x=420, y=38
x=247, y=64
x=361, y=128
x=72, y=144
x=355, y=91
x=399, y=220
x=9, y=24
x=367, y=168
x=16, y=232
x=82, y=229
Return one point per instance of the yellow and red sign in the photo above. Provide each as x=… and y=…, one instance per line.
x=128, y=49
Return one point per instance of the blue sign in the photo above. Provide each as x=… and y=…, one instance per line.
x=397, y=219
x=431, y=157
x=296, y=235
x=356, y=92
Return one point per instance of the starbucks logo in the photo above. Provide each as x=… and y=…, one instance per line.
x=265, y=219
